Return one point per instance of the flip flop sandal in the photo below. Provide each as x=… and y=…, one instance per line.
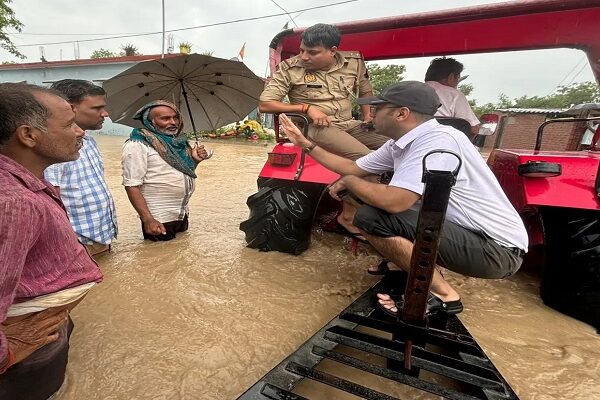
x=381, y=268
x=434, y=305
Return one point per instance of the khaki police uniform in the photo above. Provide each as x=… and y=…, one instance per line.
x=332, y=92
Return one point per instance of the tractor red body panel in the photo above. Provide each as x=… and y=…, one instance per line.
x=574, y=188
x=312, y=172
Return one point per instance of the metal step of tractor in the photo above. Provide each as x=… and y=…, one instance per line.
x=460, y=368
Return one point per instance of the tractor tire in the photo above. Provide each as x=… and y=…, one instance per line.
x=571, y=280
x=281, y=215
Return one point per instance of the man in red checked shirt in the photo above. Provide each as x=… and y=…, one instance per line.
x=44, y=270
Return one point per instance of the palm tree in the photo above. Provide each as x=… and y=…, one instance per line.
x=129, y=50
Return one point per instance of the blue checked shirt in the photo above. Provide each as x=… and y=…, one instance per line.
x=85, y=194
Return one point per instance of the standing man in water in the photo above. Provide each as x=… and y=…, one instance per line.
x=322, y=83
x=81, y=183
x=483, y=236
x=45, y=270
x=159, y=170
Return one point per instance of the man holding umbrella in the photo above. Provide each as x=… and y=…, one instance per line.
x=159, y=170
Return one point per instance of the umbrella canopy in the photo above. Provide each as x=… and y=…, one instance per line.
x=209, y=91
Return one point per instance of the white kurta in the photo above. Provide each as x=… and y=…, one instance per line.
x=166, y=190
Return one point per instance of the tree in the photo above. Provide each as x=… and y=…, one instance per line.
x=102, y=53
x=129, y=50
x=381, y=77
x=9, y=20
x=563, y=97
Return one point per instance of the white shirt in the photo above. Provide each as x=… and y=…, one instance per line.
x=166, y=190
x=477, y=201
x=454, y=103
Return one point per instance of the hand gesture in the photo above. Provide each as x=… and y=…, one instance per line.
x=318, y=117
x=292, y=131
x=199, y=153
x=338, y=189
x=33, y=332
x=153, y=227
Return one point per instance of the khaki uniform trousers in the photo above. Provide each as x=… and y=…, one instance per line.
x=347, y=139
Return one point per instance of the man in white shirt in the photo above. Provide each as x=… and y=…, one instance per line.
x=159, y=171
x=443, y=75
x=483, y=236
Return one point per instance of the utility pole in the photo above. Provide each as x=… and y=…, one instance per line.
x=162, y=54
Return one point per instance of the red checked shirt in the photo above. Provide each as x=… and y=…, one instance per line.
x=39, y=251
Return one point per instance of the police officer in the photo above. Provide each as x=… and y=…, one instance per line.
x=322, y=82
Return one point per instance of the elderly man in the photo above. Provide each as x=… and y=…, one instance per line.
x=322, y=82
x=45, y=269
x=81, y=183
x=483, y=235
x=159, y=171
x=443, y=75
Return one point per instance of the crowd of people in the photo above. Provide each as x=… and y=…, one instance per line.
x=57, y=213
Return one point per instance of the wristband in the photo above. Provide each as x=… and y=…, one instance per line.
x=309, y=148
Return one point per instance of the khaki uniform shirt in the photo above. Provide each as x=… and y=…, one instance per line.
x=331, y=91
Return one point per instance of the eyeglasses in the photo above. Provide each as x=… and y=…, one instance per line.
x=373, y=109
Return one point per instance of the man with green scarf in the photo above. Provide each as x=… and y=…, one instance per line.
x=158, y=170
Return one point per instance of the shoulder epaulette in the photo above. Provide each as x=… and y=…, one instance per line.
x=351, y=54
x=289, y=63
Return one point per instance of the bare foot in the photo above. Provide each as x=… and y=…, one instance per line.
x=387, y=302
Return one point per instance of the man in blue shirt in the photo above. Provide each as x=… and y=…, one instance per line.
x=81, y=183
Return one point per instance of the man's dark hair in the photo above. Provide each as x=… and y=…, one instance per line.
x=75, y=90
x=441, y=68
x=321, y=35
x=19, y=106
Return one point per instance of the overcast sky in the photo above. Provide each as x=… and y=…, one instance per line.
x=515, y=74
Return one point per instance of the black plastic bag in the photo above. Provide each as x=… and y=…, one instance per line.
x=281, y=215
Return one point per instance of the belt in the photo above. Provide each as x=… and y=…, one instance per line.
x=516, y=251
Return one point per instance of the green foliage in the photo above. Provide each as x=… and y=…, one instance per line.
x=9, y=20
x=207, y=53
x=102, y=53
x=381, y=77
x=128, y=50
x=563, y=97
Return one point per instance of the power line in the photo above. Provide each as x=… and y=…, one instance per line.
x=284, y=10
x=193, y=27
x=567, y=75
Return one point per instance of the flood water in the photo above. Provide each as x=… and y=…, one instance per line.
x=203, y=317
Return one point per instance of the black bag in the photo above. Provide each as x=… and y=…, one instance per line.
x=281, y=215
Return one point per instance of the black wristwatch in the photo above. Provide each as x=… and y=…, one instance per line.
x=309, y=148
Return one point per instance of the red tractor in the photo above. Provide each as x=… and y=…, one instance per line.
x=556, y=193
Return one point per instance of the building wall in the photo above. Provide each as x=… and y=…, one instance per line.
x=519, y=131
x=97, y=73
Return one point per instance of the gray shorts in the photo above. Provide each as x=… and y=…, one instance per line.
x=461, y=250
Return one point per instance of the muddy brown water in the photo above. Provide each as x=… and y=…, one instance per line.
x=203, y=317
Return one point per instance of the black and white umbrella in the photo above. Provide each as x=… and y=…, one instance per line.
x=210, y=92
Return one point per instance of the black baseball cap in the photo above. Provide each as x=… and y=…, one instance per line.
x=416, y=96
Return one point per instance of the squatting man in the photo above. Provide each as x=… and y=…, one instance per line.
x=483, y=236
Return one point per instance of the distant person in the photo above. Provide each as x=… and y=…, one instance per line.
x=81, y=183
x=45, y=269
x=443, y=75
x=323, y=82
x=159, y=170
x=483, y=236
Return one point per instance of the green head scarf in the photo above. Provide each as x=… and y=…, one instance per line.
x=174, y=149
